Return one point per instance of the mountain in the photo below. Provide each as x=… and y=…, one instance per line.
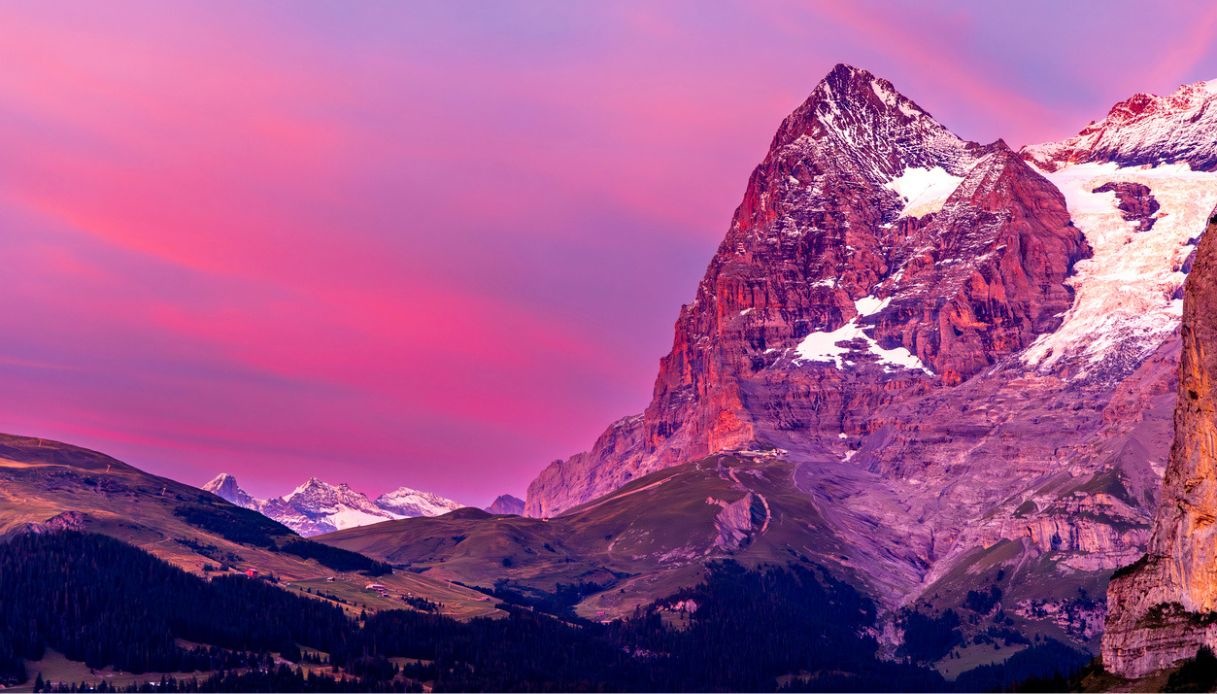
x=317, y=507
x=826, y=249
x=506, y=505
x=409, y=503
x=1162, y=607
x=965, y=354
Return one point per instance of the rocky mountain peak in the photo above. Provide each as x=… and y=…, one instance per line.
x=842, y=266
x=506, y=505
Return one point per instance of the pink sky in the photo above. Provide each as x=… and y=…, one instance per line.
x=437, y=244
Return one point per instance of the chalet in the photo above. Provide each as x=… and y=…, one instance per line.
x=251, y=573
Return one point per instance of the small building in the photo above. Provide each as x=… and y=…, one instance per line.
x=378, y=587
x=251, y=573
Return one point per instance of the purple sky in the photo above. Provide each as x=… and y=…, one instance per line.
x=437, y=244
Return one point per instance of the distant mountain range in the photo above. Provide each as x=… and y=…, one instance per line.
x=318, y=507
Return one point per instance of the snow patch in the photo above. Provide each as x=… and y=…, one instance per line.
x=870, y=305
x=826, y=346
x=923, y=190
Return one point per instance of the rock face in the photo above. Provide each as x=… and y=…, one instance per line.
x=1136, y=202
x=1165, y=606
x=967, y=355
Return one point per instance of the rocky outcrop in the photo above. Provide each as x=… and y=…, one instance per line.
x=1165, y=606
x=74, y=521
x=739, y=520
x=1135, y=201
x=614, y=460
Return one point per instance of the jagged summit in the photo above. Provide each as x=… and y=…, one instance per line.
x=881, y=132
x=962, y=352
x=1145, y=129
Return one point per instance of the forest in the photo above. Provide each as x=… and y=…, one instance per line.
x=106, y=603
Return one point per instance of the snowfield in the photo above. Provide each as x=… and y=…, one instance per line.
x=1126, y=301
x=924, y=190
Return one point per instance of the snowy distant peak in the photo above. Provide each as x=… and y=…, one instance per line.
x=321, y=492
x=225, y=486
x=1144, y=129
x=412, y=503
x=317, y=506
x=882, y=132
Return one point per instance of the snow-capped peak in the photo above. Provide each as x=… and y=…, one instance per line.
x=1144, y=129
x=410, y=503
x=225, y=486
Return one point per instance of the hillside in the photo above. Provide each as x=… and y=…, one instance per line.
x=50, y=485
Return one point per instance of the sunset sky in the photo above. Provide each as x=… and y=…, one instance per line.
x=437, y=244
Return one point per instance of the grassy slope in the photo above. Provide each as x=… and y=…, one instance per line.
x=642, y=542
